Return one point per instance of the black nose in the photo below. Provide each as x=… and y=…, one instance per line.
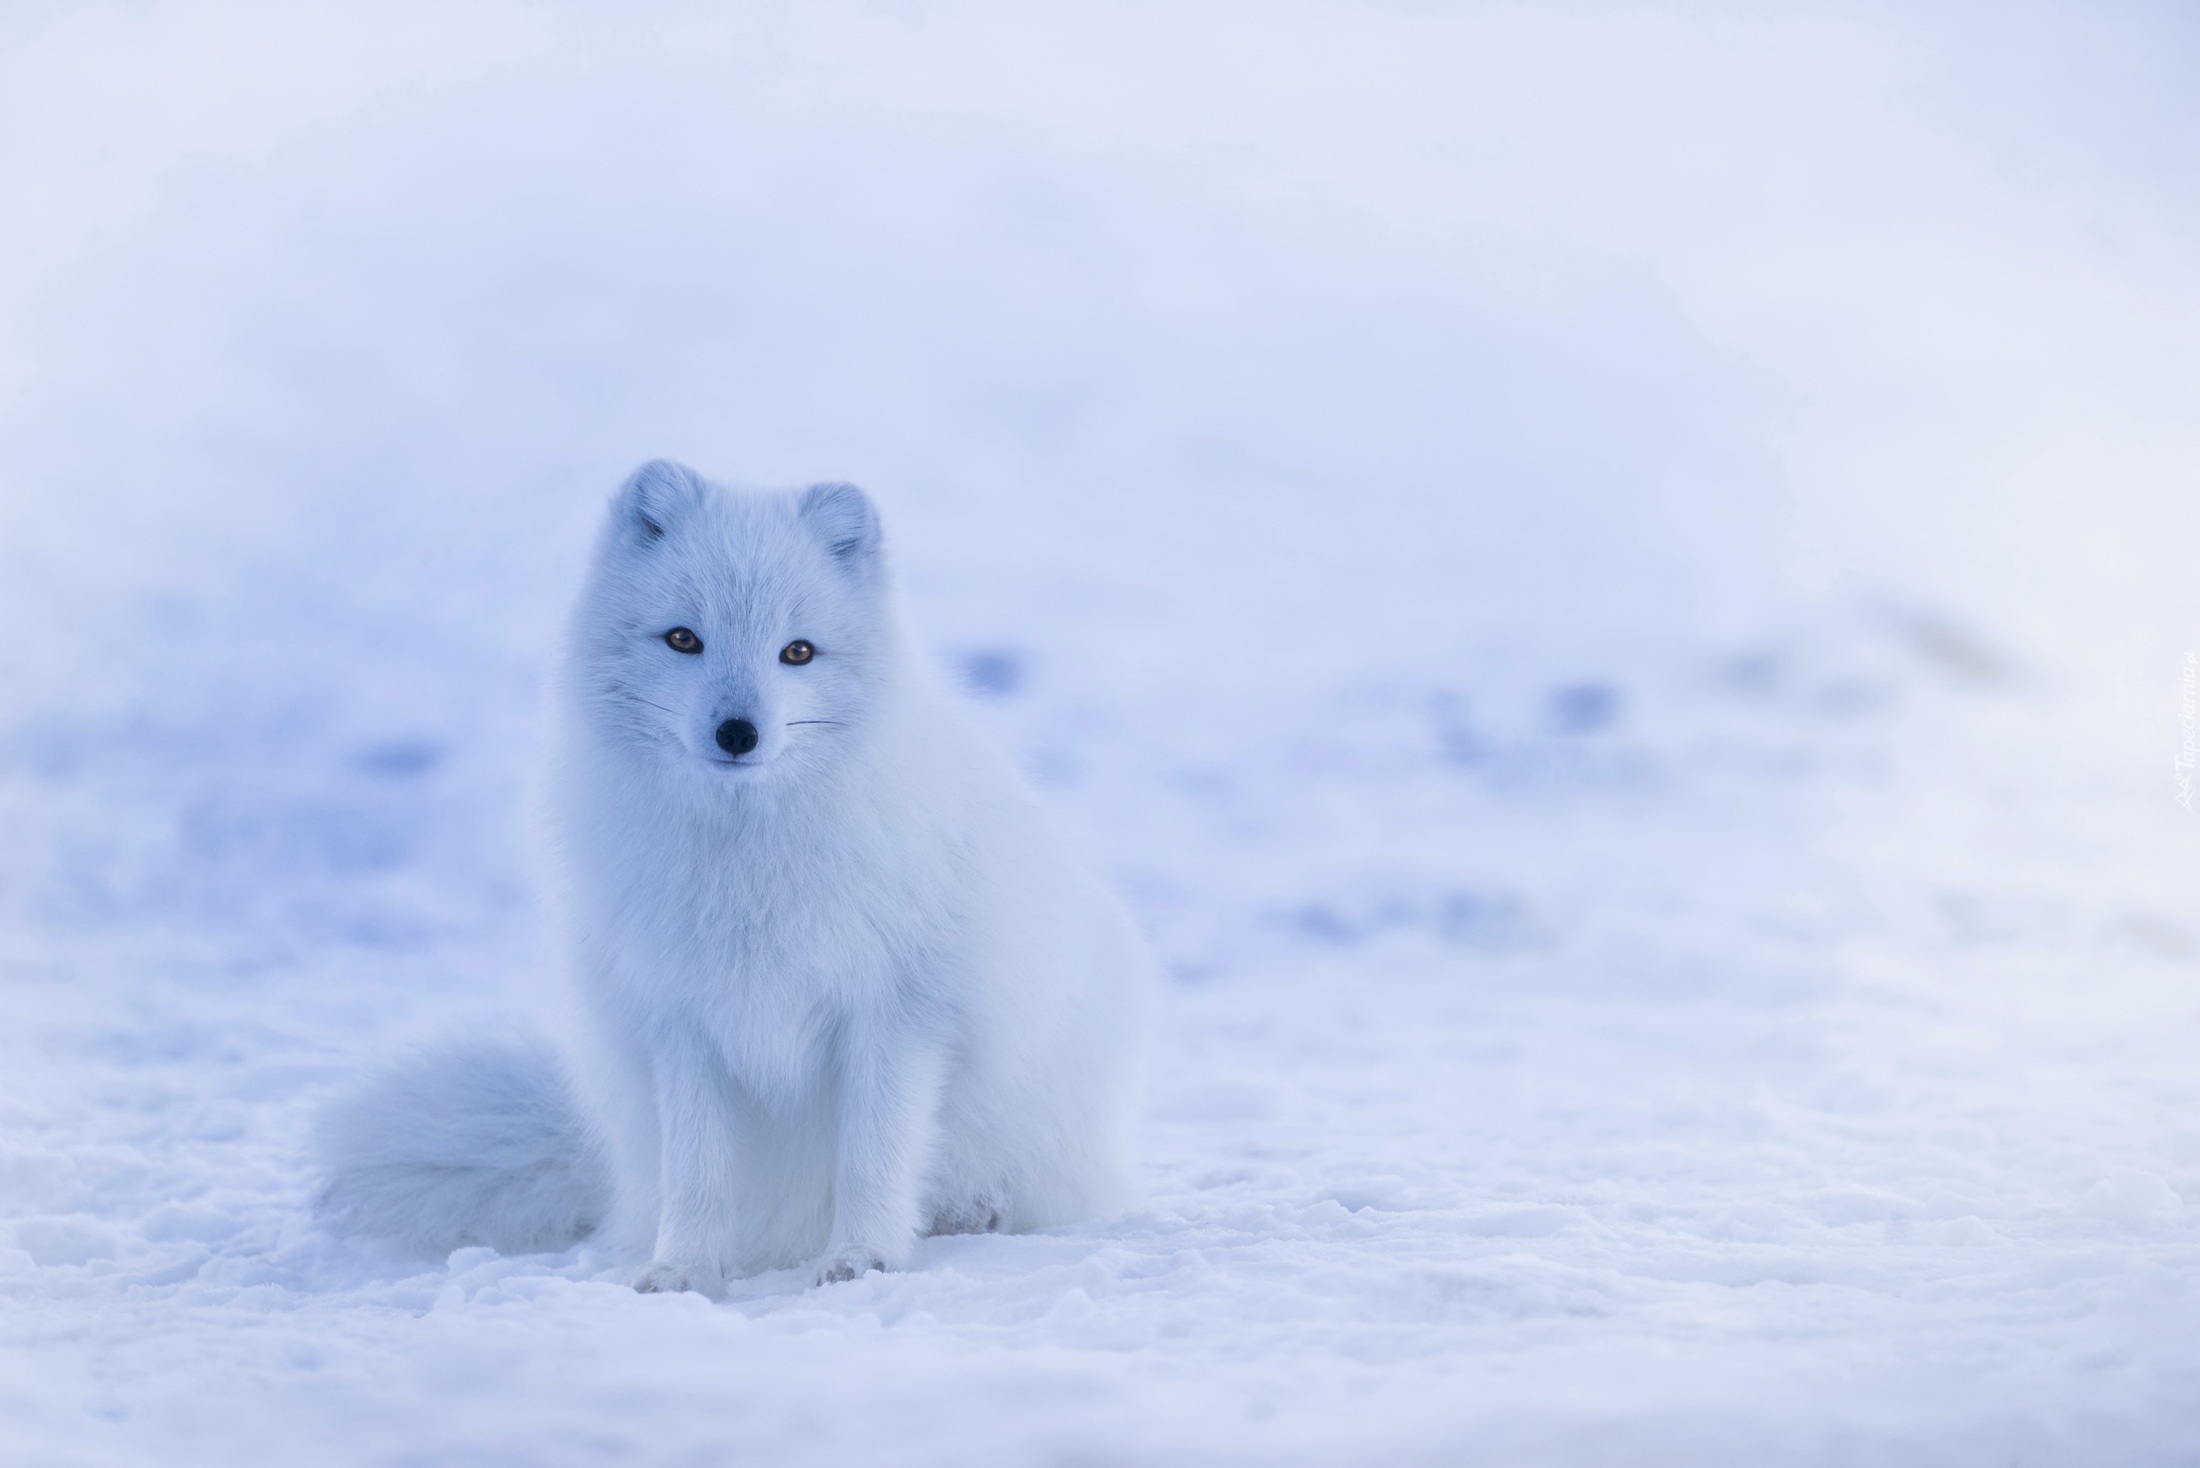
x=737, y=736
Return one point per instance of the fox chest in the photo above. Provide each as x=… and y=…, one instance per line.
x=778, y=990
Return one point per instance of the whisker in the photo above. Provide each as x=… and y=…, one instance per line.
x=792, y=722
x=620, y=690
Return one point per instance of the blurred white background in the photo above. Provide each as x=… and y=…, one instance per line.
x=1577, y=327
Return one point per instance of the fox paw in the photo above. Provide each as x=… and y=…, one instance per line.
x=661, y=1278
x=853, y=1262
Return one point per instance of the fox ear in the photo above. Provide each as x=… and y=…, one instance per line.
x=841, y=515
x=655, y=496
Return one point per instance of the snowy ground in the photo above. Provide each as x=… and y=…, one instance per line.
x=1611, y=583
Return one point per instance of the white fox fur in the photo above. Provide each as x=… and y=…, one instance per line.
x=835, y=991
x=480, y=1142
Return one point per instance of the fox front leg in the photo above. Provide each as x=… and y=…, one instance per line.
x=889, y=1117
x=696, y=1183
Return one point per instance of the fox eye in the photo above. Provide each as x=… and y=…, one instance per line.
x=796, y=653
x=679, y=639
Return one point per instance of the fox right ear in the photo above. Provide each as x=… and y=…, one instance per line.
x=842, y=517
x=654, y=497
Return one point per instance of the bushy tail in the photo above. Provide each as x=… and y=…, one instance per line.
x=480, y=1142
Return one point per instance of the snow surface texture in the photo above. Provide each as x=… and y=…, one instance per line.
x=1613, y=584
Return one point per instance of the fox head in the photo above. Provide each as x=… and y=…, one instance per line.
x=737, y=634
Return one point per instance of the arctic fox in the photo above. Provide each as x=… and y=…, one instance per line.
x=838, y=982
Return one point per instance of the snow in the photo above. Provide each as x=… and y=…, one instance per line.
x=1612, y=584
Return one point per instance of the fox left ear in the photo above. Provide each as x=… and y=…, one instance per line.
x=841, y=515
x=658, y=494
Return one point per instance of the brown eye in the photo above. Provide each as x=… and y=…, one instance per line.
x=796, y=653
x=679, y=639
